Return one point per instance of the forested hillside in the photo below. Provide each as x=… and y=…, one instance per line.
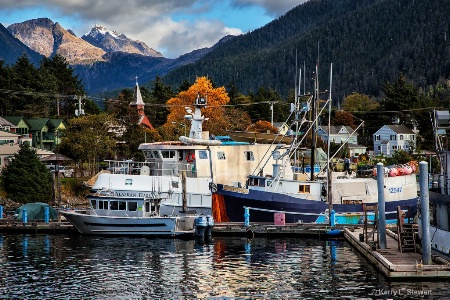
x=369, y=42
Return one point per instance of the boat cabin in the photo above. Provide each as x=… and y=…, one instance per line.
x=136, y=207
x=311, y=189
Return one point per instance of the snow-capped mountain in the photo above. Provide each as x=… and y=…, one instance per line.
x=112, y=41
x=48, y=38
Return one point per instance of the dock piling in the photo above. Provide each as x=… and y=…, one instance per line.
x=425, y=212
x=381, y=205
x=24, y=216
x=247, y=217
x=46, y=214
x=1, y=212
x=332, y=218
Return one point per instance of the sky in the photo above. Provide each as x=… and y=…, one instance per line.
x=172, y=27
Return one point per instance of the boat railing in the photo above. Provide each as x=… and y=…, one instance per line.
x=156, y=168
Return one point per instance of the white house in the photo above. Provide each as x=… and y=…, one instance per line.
x=338, y=134
x=282, y=127
x=391, y=138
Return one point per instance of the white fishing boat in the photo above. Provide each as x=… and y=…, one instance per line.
x=439, y=198
x=129, y=216
x=299, y=197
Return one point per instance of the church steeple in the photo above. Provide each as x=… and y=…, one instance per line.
x=139, y=104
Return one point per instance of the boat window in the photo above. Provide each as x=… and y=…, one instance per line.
x=168, y=154
x=113, y=205
x=175, y=184
x=304, y=188
x=269, y=182
x=221, y=155
x=262, y=182
x=128, y=181
x=122, y=205
x=93, y=203
x=249, y=156
x=155, y=154
x=102, y=204
x=202, y=154
x=132, y=206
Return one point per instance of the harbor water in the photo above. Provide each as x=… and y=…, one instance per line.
x=81, y=267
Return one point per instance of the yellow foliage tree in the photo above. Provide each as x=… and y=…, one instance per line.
x=359, y=102
x=216, y=98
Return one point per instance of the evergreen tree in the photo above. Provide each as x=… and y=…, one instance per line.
x=26, y=179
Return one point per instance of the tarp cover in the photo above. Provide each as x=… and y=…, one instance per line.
x=35, y=211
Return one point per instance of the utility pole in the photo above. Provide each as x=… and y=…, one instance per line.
x=271, y=108
x=79, y=111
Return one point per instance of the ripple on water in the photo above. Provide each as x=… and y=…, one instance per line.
x=50, y=267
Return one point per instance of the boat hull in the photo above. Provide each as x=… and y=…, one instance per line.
x=130, y=226
x=263, y=205
x=439, y=242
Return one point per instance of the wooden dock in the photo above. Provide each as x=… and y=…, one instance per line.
x=14, y=226
x=271, y=230
x=394, y=263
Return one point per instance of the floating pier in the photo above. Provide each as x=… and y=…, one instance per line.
x=14, y=226
x=393, y=262
x=271, y=230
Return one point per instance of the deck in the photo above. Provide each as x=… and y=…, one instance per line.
x=395, y=264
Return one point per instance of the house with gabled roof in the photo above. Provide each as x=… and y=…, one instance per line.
x=6, y=125
x=46, y=132
x=338, y=134
x=20, y=124
x=391, y=138
x=281, y=126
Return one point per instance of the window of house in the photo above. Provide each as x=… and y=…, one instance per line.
x=377, y=137
x=249, y=156
x=379, y=148
x=304, y=188
x=393, y=137
x=401, y=137
x=394, y=147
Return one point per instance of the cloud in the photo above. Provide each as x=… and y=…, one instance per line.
x=273, y=8
x=173, y=27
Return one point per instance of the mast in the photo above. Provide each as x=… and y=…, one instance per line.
x=313, y=129
x=329, y=195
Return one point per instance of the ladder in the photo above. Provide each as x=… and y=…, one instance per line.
x=407, y=233
x=374, y=226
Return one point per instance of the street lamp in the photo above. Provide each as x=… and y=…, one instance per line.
x=182, y=125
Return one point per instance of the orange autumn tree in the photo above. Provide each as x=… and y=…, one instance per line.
x=216, y=98
x=262, y=127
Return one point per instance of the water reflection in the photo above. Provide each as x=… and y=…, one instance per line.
x=58, y=266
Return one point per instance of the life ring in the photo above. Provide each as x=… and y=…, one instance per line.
x=190, y=157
